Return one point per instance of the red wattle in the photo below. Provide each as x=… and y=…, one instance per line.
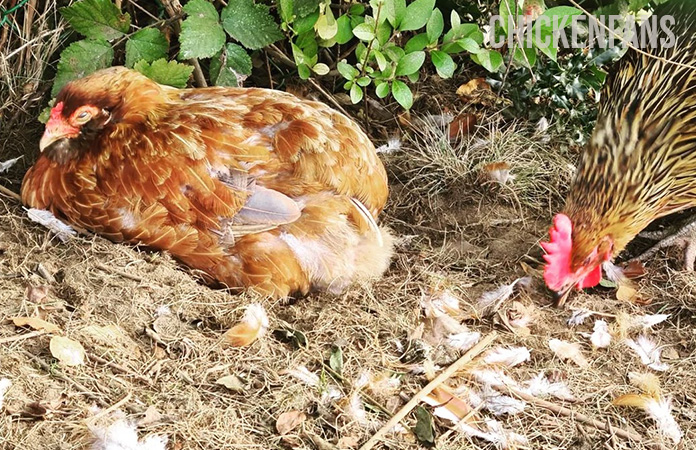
x=592, y=279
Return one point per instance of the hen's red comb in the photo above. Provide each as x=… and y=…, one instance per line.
x=558, y=249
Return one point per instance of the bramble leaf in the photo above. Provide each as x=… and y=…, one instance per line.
x=170, y=73
x=231, y=66
x=97, y=19
x=202, y=35
x=80, y=59
x=251, y=24
x=148, y=44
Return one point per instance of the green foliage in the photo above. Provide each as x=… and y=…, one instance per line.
x=148, y=44
x=231, y=66
x=97, y=19
x=202, y=35
x=82, y=58
x=250, y=24
x=170, y=73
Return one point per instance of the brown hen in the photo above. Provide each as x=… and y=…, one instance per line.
x=254, y=188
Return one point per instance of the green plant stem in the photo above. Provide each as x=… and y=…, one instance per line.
x=369, y=45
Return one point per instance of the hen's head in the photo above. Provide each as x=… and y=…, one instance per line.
x=571, y=260
x=86, y=107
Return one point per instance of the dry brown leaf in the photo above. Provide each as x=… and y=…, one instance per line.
x=67, y=351
x=36, y=294
x=633, y=270
x=462, y=125
x=290, y=420
x=35, y=323
x=472, y=89
x=348, y=442
x=254, y=324
x=231, y=382
x=625, y=293
x=448, y=406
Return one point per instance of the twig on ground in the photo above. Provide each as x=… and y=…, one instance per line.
x=106, y=268
x=118, y=367
x=444, y=375
x=110, y=409
x=11, y=194
x=567, y=412
x=21, y=337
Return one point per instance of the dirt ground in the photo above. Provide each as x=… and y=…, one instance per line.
x=152, y=332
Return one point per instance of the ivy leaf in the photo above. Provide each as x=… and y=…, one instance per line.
x=435, y=26
x=364, y=32
x=148, y=44
x=80, y=59
x=491, y=60
x=402, y=94
x=349, y=72
x=231, y=66
x=250, y=24
x=170, y=73
x=97, y=19
x=444, y=64
x=202, y=35
x=410, y=63
x=344, y=33
x=382, y=89
x=356, y=93
x=417, y=15
x=394, y=11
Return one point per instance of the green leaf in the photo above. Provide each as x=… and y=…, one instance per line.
x=286, y=8
x=97, y=19
x=249, y=23
x=349, y=72
x=304, y=71
x=435, y=26
x=356, y=9
x=417, y=15
x=443, y=63
x=384, y=32
x=201, y=35
x=356, y=93
x=410, y=63
x=364, y=81
x=336, y=358
x=231, y=66
x=394, y=11
x=170, y=73
x=508, y=10
x=491, y=60
x=149, y=44
x=304, y=8
x=305, y=24
x=344, y=33
x=416, y=43
x=402, y=94
x=529, y=53
x=381, y=60
x=607, y=283
x=424, y=426
x=382, y=89
x=364, y=32
x=326, y=25
x=465, y=44
x=455, y=20
x=393, y=52
x=80, y=59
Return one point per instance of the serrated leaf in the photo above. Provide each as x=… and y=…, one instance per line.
x=349, y=72
x=97, y=19
x=231, y=66
x=417, y=15
x=394, y=11
x=424, y=426
x=443, y=63
x=149, y=44
x=345, y=32
x=364, y=32
x=356, y=93
x=402, y=94
x=382, y=90
x=410, y=63
x=251, y=24
x=170, y=73
x=304, y=8
x=201, y=35
x=336, y=359
x=80, y=59
x=435, y=26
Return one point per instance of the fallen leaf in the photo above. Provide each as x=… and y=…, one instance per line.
x=462, y=125
x=424, y=426
x=288, y=421
x=67, y=351
x=254, y=325
x=634, y=269
x=566, y=350
x=231, y=382
x=151, y=416
x=625, y=293
x=348, y=442
x=472, y=89
x=447, y=405
x=35, y=323
x=36, y=294
x=336, y=359
x=35, y=410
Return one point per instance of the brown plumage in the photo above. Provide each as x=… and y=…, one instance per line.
x=254, y=188
x=640, y=163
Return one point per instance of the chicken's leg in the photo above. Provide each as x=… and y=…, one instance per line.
x=685, y=237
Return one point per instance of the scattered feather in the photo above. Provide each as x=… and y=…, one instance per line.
x=614, y=273
x=67, y=351
x=393, y=145
x=541, y=387
x=253, y=326
x=657, y=408
x=63, y=231
x=542, y=125
x=123, y=435
x=496, y=434
x=600, y=336
x=463, y=341
x=646, y=382
x=6, y=165
x=492, y=377
x=491, y=301
x=648, y=352
x=520, y=316
x=5, y=384
x=304, y=375
x=509, y=357
x=498, y=172
x=648, y=320
x=441, y=303
x=500, y=404
x=579, y=316
x=567, y=350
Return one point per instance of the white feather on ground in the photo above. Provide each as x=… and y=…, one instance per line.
x=600, y=336
x=63, y=231
x=509, y=357
x=648, y=352
x=6, y=165
x=122, y=434
x=5, y=384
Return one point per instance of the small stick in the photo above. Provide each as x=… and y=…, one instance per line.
x=567, y=412
x=108, y=410
x=21, y=337
x=444, y=375
x=106, y=268
x=118, y=367
x=12, y=194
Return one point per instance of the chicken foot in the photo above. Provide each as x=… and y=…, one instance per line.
x=684, y=237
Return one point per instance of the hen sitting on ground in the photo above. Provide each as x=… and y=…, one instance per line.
x=254, y=188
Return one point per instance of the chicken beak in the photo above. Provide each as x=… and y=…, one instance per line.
x=560, y=297
x=55, y=131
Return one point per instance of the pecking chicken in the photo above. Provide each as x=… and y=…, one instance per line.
x=640, y=163
x=253, y=188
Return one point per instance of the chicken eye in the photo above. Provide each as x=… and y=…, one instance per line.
x=83, y=117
